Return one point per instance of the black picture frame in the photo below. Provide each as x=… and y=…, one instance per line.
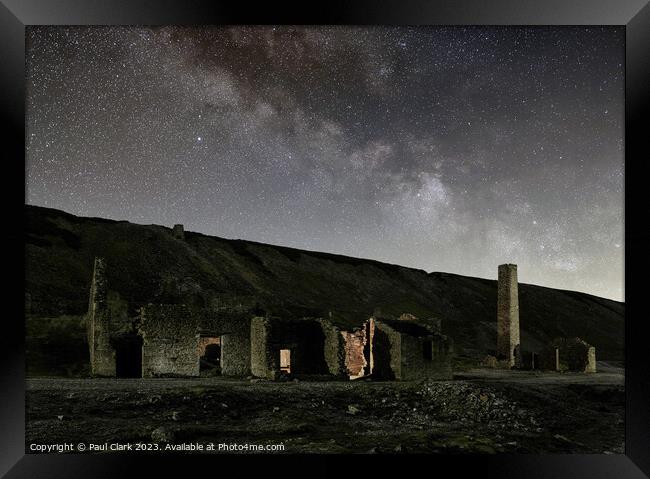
x=633, y=14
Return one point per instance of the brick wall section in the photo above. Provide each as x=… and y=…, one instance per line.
x=369, y=331
x=170, y=338
x=354, y=343
x=98, y=321
x=508, y=315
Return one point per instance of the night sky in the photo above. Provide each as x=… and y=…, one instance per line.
x=447, y=149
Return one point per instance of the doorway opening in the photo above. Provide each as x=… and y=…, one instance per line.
x=210, y=355
x=128, y=356
x=285, y=361
x=427, y=349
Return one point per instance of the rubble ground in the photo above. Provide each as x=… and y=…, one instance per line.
x=480, y=411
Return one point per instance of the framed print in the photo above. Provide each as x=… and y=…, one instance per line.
x=360, y=237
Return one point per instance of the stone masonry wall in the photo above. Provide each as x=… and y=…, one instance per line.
x=333, y=349
x=236, y=350
x=415, y=366
x=98, y=321
x=170, y=338
x=507, y=315
x=569, y=354
x=261, y=364
x=234, y=328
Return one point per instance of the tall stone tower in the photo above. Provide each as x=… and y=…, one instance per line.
x=102, y=353
x=508, y=341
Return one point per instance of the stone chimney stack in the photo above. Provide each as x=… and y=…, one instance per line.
x=178, y=232
x=102, y=354
x=508, y=350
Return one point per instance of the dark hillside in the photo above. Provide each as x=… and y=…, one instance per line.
x=147, y=264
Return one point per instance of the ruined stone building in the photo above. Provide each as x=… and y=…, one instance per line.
x=406, y=350
x=178, y=340
x=561, y=354
x=568, y=354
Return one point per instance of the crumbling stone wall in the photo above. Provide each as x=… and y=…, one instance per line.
x=170, y=340
x=386, y=351
x=303, y=337
x=508, y=316
x=262, y=364
x=354, y=343
x=369, y=332
x=333, y=349
x=236, y=351
x=569, y=354
x=98, y=321
x=410, y=354
x=425, y=357
x=234, y=328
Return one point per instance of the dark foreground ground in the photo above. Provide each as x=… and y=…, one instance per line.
x=483, y=411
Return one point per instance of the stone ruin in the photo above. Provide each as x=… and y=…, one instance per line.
x=178, y=340
x=568, y=354
x=381, y=349
x=561, y=354
x=178, y=232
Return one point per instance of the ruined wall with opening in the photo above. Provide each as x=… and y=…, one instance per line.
x=303, y=337
x=170, y=340
x=234, y=330
x=568, y=354
x=405, y=350
x=425, y=357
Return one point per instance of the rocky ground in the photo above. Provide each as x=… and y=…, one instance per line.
x=481, y=410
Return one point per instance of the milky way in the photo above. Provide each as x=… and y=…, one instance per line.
x=446, y=149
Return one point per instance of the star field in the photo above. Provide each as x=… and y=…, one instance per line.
x=447, y=149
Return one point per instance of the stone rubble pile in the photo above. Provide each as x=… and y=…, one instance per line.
x=464, y=402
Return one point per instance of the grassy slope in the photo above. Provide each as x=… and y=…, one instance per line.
x=146, y=264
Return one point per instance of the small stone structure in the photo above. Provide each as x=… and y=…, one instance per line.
x=178, y=232
x=405, y=350
x=508, y=343
x=568, y=354
x=301, y=341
